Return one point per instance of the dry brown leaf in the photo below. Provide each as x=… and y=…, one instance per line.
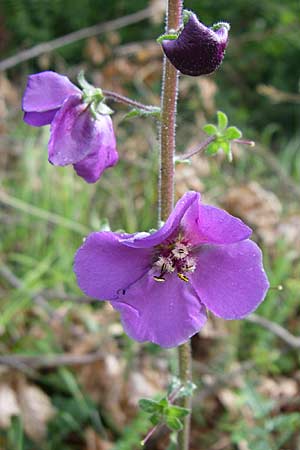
x=258, y=207
x=8, y=405
x=289, y=230
x=95, y=442
x=36, y=410
x=96, y=51
x=188, y=177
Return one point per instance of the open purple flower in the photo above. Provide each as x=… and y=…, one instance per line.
x=162, y=283
x=198, y=50
x=79, y=133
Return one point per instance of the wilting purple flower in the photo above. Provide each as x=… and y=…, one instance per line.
x=76, y=136
x=162, y=283
x=198, y=50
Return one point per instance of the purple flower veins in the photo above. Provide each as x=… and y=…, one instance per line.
x=163, y=283
x=198, y=50
x=79, y=134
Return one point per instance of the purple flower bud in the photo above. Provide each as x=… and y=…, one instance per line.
x=198, y=50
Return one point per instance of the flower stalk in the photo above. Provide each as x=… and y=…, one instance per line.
x=166, y=181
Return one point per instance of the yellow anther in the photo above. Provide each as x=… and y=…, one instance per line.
x=183, y=277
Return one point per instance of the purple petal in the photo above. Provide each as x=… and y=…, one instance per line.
x=167, y=314
x=103, y=155
x=74, y=133
x=230, y=280
x=198, y=50
x=211, y=225
x=144, y=240
x=104, y=267
x=38, y=119
x=47, y=91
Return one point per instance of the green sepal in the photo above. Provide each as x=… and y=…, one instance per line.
x=167, y=37
x=174, y=424
x=136, y=112
x=232, y=133
x=222, y=120
x=212, y=148
x=210, y=129
x=186, y=16
x=102, y=108
x=217, y=26
x=83, y=83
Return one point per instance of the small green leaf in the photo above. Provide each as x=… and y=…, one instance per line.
x=163, y=403
x=155, y=419
x=210, y=129
x=177, y=411
x=148, y=405
x=212, y=148
x=232, y=133
x=174, y=423
x=222, y=120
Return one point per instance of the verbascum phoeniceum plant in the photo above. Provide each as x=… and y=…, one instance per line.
x=200, y=258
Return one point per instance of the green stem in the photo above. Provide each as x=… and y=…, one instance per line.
x=166, y=181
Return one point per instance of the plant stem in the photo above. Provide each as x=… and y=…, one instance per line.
x=128, y=101
x=166, y=181
x=168, y=121
x=185, y=374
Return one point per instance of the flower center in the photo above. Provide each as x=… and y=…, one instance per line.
x=173, y=256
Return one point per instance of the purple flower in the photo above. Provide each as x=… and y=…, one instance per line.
x=198, y=50
x=162, y=283
x=77, y=136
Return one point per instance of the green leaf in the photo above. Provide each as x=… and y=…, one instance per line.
x=177, y=411
x=232, y=133
x=164, y=403
x=148, y=405
x=155, y=419
x=174, y=423
x=210, y=129
x=222, y=120
x=212, y=148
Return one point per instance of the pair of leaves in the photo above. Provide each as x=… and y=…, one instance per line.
x=223, y=136
x=163, y=412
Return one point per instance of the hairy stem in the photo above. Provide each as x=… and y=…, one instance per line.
x=128, y=101
x=166, y=181
x=185, y=373
x=168, y=120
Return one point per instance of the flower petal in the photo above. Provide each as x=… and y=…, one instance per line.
x=211, y=225
x=167, y=314
x=73, y=134
x=38, y=119
x=198, y=50
x=103, y=155
x=104, y=266
x=144, y=240
x=46, y=91
x=230, y=279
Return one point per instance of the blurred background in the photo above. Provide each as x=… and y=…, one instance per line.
x=69, y=377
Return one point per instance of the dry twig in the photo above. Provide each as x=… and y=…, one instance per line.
x=70, y=38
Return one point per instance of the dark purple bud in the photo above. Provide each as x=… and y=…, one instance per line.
x=198, y=50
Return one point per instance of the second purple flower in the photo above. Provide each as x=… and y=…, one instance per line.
x=81, y=130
